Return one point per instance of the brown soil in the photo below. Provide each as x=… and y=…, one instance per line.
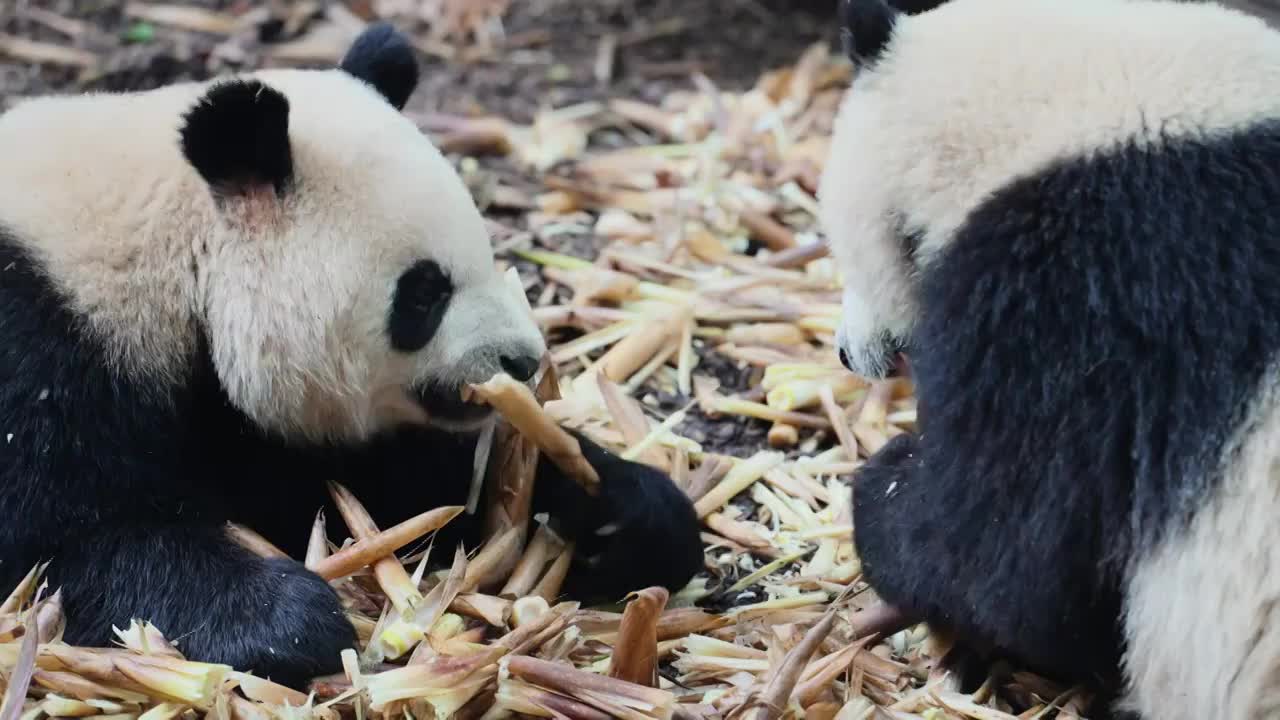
x=661, y=43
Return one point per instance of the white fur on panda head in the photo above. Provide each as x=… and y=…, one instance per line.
x=278, y=218
x=350, y=279
x=948, y=105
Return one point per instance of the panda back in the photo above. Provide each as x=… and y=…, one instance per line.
x=94, y=188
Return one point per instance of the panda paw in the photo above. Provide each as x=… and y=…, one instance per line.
x=883, y=512
x=641, y=531
x=288, y=626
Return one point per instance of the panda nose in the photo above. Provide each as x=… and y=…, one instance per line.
x=844, y=360
x=520, y=367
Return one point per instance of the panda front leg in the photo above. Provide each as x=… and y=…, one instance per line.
x=886, y=511
x=892, y=521
x=640, y=531
x=213, y=599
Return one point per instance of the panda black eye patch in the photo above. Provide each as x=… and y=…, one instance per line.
x=421, y=298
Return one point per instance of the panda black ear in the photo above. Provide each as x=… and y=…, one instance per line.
x=237, y=137
x=383, y=57
x=865, y=28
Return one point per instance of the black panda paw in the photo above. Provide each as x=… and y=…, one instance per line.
x=883, y=514
x=284, y=623
x=641, y=531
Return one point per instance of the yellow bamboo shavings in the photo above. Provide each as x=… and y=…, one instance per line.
x=265, y=691
x=630, y=420
x=616, y=698
x=653, y=437
x=777, y=692
x=747, y=408
x=23, y=590
x=847, y=438
x=739, y=478
x=486, y=568
x=742, y=533
x=637, y=348
x=532, y=563
x=442, y=682
x=782, y=435
x=802, y=393
x=548, y=587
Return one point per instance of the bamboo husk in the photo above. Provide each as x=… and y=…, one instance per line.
x=548, y=588
x=376, y=547
x=531, y=564
x=782, y=680
x=635, y=654
x=317, y=544
x=517, y=404
x=253, y=542
x=391, y=575
x=616, y=697
x=768, y=231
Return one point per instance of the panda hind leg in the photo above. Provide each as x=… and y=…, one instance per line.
x=213, y=599
x=640, y=531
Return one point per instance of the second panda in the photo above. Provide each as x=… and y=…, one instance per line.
x=216, y=297
x=1068, y=214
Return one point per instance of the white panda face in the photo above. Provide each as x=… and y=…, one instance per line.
x=949, y=105
x=356, y=288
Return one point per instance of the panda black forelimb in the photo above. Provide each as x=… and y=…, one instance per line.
x=271, y=615
x=640, y=531
x=922, y=542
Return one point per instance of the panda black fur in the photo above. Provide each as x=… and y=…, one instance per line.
x=216, y=297
x=1068, y=213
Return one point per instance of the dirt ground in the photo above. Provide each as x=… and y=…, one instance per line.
x=553, y=45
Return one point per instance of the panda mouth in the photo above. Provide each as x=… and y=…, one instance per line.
x=901, y=367
x=447, y=409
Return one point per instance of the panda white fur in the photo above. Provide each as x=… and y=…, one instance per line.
x=216, y=297
x=1068, y=214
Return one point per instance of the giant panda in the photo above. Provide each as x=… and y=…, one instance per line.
x=215, y=298
x=1066, y=216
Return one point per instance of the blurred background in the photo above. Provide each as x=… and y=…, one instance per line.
x=499, y=57
x=503, y=57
